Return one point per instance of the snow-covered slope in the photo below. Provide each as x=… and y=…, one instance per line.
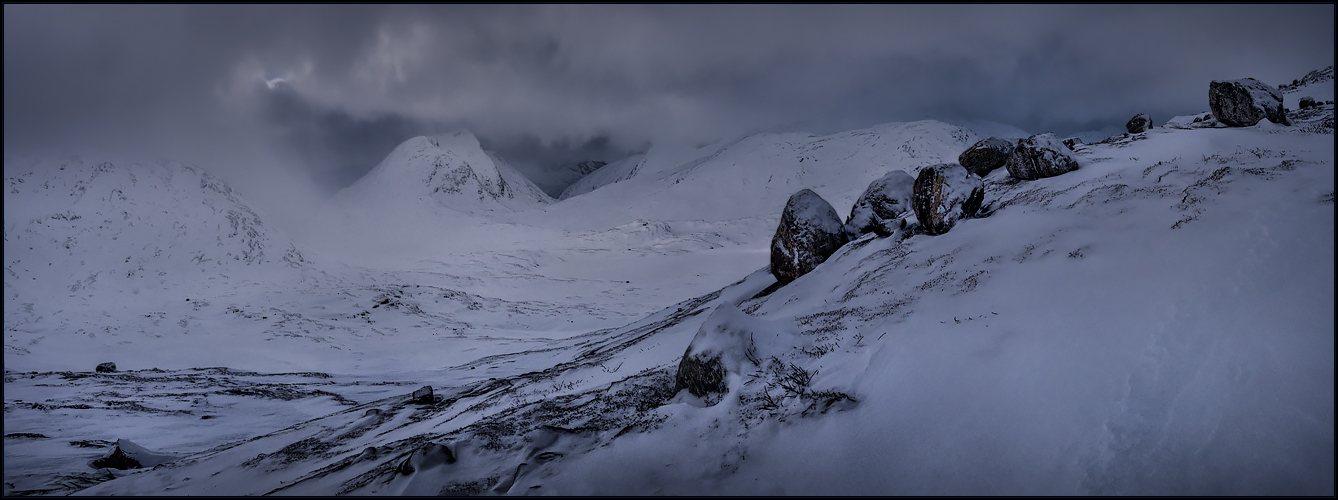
x=608, y=174
x=1317, y=84
x=1159, y=321
x=753, y=177
x=450, y=170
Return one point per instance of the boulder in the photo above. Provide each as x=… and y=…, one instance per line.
x=809, y=232
x=1307, y=102
x=880, y=208
x=1039, y=156
x=1242, y=103
x=1138, y=124
x=1072, y=143
x=107, y=367
x=985, y=156
x=423, y=395
x=723, y=344
x=944, y=194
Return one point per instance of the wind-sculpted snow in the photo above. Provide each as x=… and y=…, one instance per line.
x=1157, y=322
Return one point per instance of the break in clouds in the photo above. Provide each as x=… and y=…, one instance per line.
x=247, y=88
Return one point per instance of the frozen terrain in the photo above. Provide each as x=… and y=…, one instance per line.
x=1159, y=321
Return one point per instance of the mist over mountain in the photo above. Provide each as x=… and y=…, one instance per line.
x=669, y=250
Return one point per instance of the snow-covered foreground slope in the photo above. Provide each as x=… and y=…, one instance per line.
x=1159, y=321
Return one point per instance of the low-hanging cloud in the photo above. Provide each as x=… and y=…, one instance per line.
x=331, y=89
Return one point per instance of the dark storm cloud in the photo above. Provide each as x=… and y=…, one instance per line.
x=539, y=82
x=332, y=142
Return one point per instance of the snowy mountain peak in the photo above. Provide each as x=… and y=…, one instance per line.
x=452, y=170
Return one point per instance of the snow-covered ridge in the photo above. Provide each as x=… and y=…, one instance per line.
x=754, y=176
x=138, y=222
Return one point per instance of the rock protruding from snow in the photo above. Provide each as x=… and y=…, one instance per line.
x=1040, y=156
x=107, y=367
x=1138, y=124
x=423, y=395
x=723, y=344
x=128, y=455
x=1242, y=103
x=944, y=194
x=809, y=232
x=880, y=209
x=1307, y=102
x=985, y=156
x=1072, y=143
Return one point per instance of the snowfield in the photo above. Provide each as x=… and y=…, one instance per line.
x=1158, y=322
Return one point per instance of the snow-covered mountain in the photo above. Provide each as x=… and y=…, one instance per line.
x=754, y=176
x=555, y=179
x=82, y=229
x=1158, y=321
x=610, y=173
x=448, y=170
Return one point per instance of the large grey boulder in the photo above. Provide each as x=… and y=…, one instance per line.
x=723, y=345
x=1307, y=102
x=1242, y=103
x=1040, y=156
x=985, y=156
x=944, y=194
x=881, y=207
x=108, y=367
x=809, y=232
x=1139, y=123
x=423, y=395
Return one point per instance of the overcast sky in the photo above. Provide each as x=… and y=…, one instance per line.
x=330, y=90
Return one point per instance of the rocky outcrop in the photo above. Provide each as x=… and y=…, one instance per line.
x=1072, y=143
x=423, y=395
x=881, y=208
x=944, y=194
x=723, y=344
x=107, y=367
x=128, y=455
x=1040, y=156
x=1138, y=124
x=1244, y=102
x=1307, y=102
x=701, y=374
x=985, y=156
x=809, y=232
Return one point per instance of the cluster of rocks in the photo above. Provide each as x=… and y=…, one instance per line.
x=1308, y=102
x=933, y=202
x=1139, y=123
x=810, y=230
